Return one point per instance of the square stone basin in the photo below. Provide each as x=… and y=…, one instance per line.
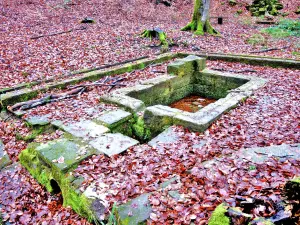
x=186, y=77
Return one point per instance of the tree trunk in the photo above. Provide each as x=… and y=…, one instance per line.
x=200, y=21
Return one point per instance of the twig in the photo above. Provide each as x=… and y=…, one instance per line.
x=270, y=49
x=54, y=34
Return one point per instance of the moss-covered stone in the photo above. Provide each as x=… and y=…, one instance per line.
x=4, y=158
x=249, y=59
x=292, y=189
x=134, y=212
x=37, y=159
x=218, y=216
x=265, y=7
x=186, y=66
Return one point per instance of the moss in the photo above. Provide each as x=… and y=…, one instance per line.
x=140, y=130
x=34, y=133
x=196, y=25
x=43, y=173
x=218, y=217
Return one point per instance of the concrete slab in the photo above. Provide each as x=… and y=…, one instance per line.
x=85, y=129
x=112, y=144
x=113, y=118
x=63, y=154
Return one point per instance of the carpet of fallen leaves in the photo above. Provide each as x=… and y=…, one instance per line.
x=115, y=35
x=269, y=117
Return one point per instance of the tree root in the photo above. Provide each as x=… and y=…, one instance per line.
x=199, y=28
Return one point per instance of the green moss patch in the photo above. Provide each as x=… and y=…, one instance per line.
x=218, y=217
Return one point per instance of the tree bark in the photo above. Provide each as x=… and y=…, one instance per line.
x=200, y=21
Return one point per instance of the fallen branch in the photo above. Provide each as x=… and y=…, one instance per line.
x=236, y=71
x=270, y=49
x=54, y=34
x=46, y=99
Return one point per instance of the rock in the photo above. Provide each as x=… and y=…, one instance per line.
x=4, y=158
x=261, y=221
x=135, y=211
x=292, y=189
x=87, y=20
x=167, y=137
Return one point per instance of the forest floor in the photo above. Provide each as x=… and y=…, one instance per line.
x=269, y=117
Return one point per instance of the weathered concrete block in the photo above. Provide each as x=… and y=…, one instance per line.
x=135, y=211
x=114, y=118
x=186, y=66
x=85, y=129
x=112, y=144
x=132, y=104
x=157, y=117
x=63, y=154
x=38, y=120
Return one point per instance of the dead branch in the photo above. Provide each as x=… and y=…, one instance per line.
x=46, y=99
x=54, y=34
x=270, y=49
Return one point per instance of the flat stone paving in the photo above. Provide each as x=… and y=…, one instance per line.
x=261, y=154
x=167, y=137
x=112, y=118
x=112, y=144
x=85, y=129
x=63, y=154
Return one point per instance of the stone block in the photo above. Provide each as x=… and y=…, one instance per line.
x=186, y=66
x=85, y=129
x=282, y=152
x=135, y=211
x=63, y=154
x=130, y=103
x=4, y=158
x=38, y=120
x=114, y=118
x=158, y=117
x=112, y=144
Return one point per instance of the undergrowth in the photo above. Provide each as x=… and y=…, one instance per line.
x=285, y=28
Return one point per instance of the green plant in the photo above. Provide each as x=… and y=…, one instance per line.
x=239, y=12
x=112, y=219
x=252, y=167
x=256, y=39
x=285, y=28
